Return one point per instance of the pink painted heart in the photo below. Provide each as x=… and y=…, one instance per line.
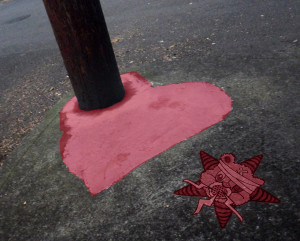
x=103, y=146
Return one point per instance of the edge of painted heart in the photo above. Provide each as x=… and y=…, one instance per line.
x=143, y=113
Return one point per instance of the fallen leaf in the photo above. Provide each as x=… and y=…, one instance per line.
x=115, y=40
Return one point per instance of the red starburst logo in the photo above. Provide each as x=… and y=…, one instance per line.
x=227, y=184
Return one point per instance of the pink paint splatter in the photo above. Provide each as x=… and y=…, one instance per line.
x=103, y=146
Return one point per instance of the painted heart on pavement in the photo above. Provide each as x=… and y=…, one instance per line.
x=102, y=146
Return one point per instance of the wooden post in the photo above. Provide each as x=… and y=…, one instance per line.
x=82, y=36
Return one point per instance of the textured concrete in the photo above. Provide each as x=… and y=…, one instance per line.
x=142, y=205
x=41, y=200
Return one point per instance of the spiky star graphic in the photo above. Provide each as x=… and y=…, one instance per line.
x=227, y=184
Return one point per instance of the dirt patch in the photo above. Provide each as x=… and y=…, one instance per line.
x=24, y=104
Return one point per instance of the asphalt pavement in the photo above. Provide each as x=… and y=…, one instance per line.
x=249, y=49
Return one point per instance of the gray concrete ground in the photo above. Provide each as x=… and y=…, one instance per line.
x=249, y=49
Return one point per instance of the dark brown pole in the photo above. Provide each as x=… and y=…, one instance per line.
x=83, y=39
